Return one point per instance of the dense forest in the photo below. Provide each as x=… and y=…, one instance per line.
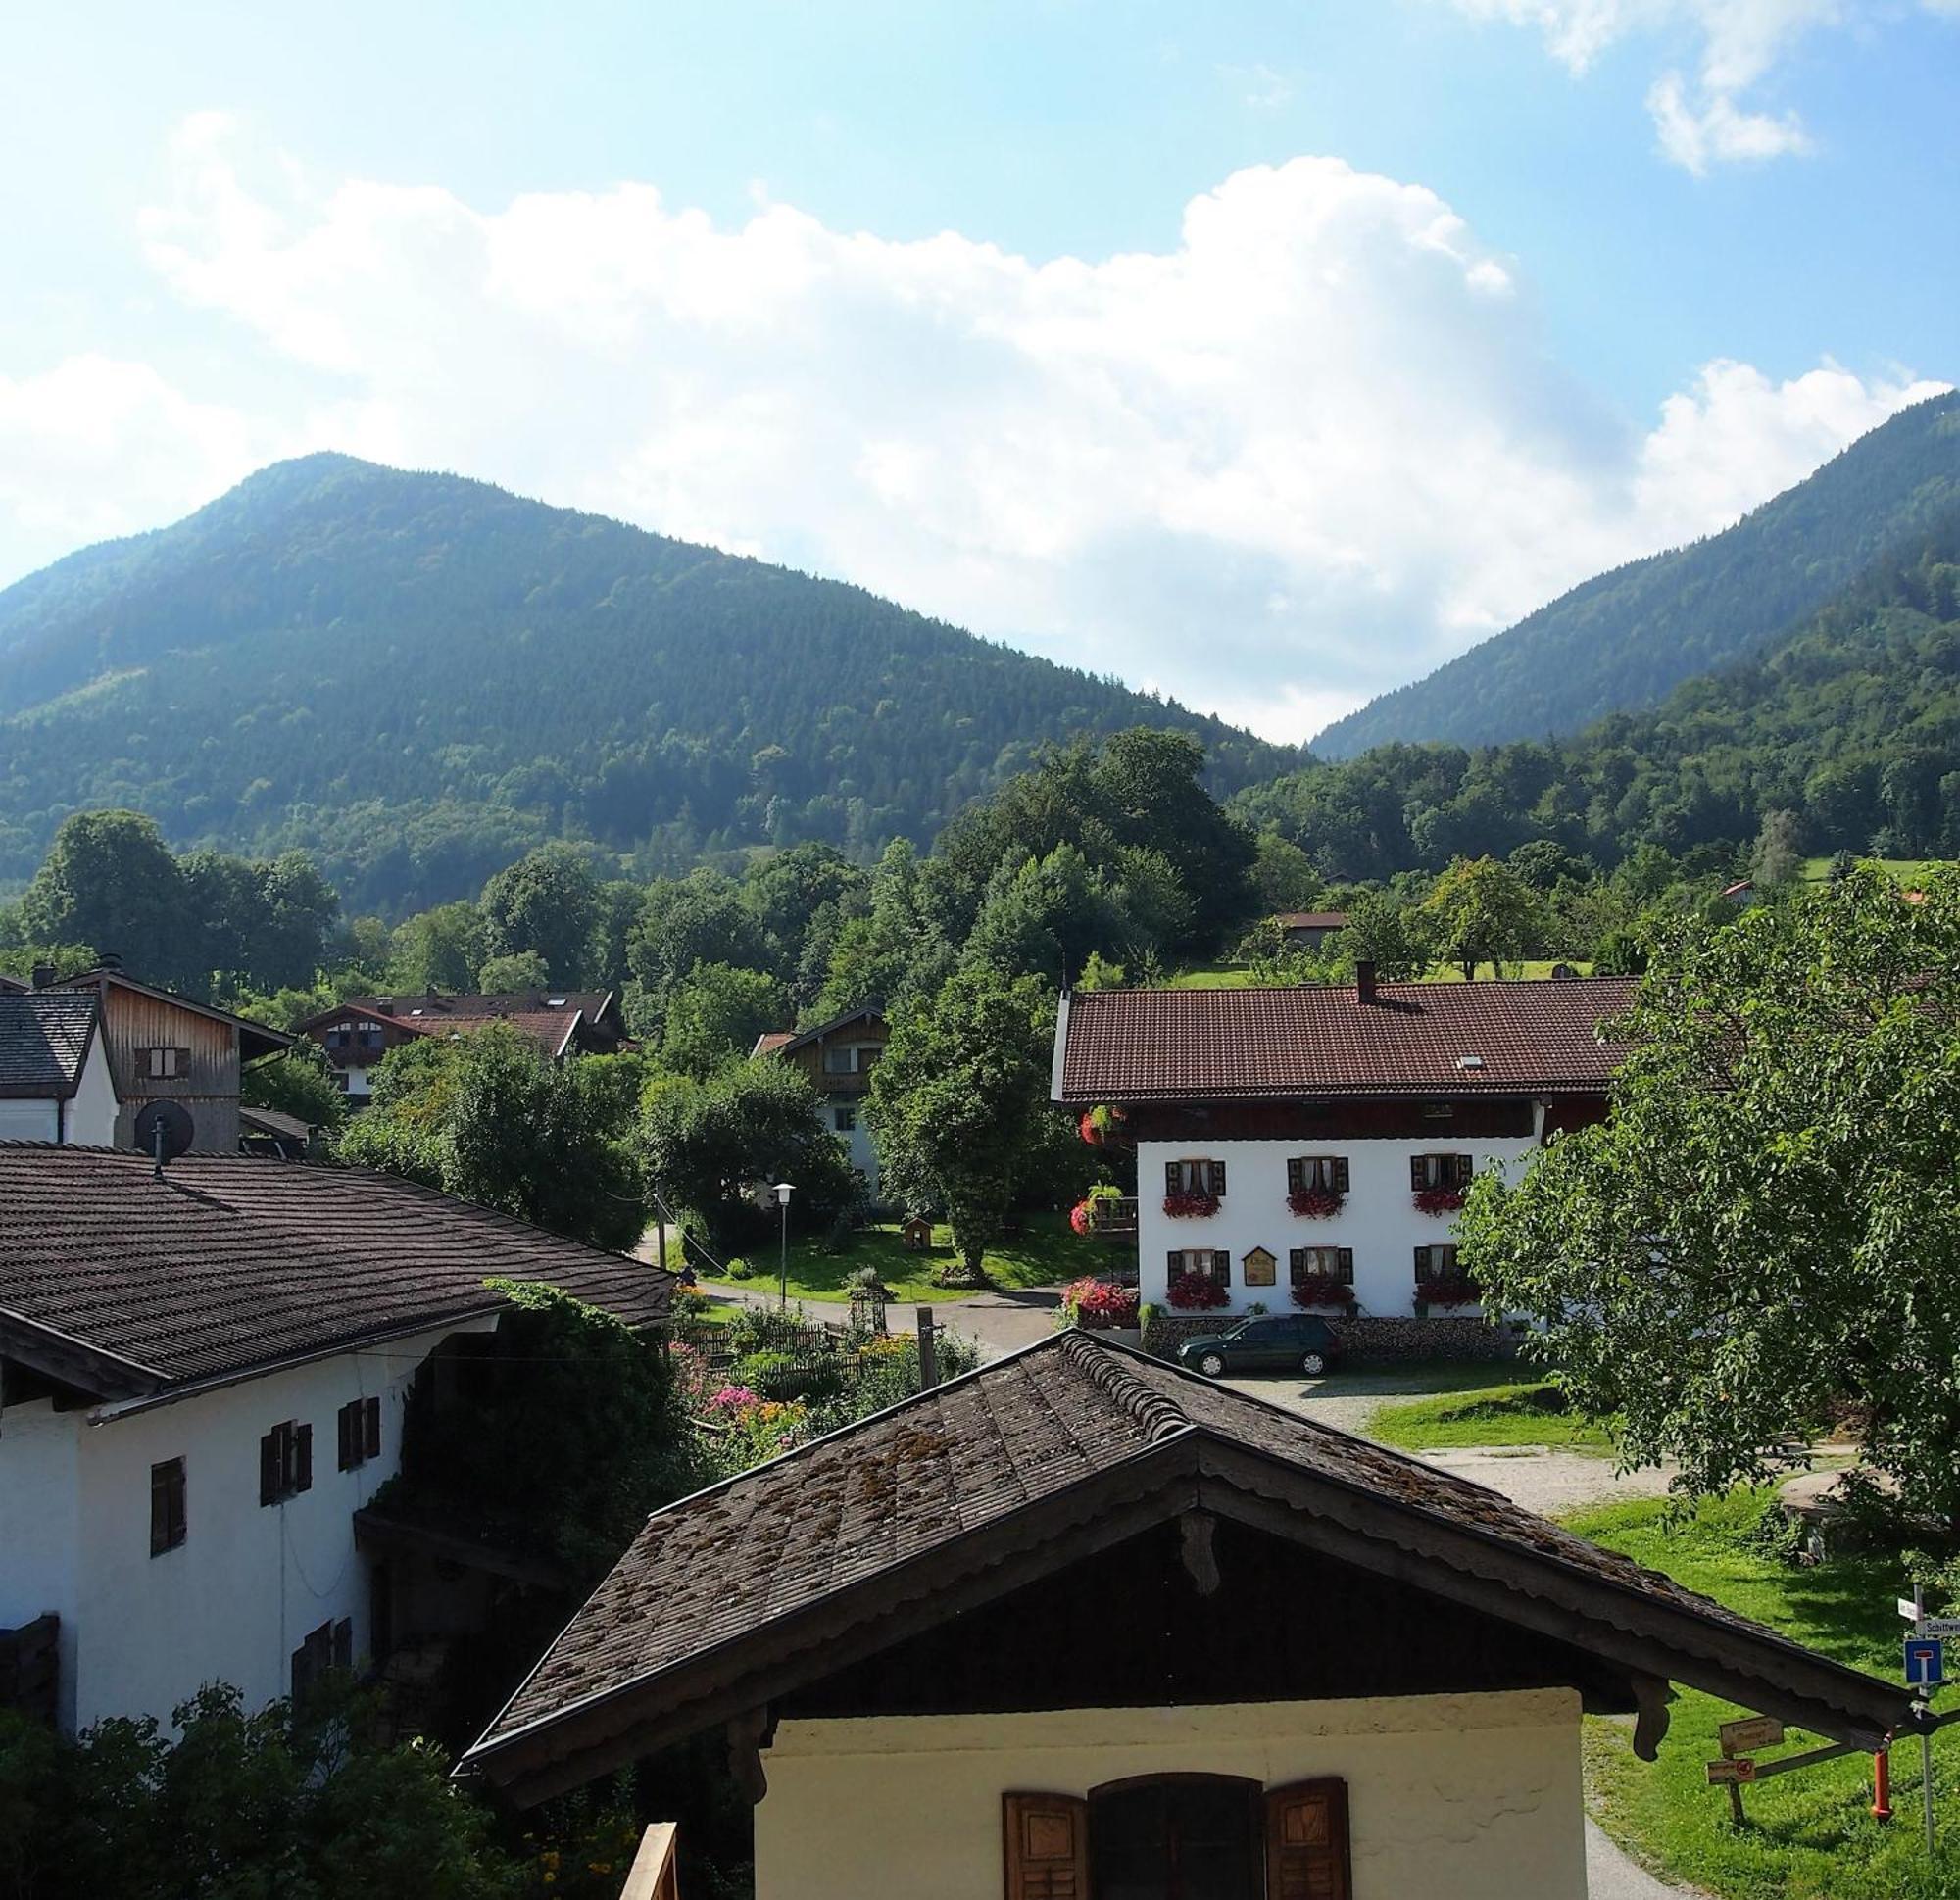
x=417, y=678
x=1850, y=724
x=1618, y=643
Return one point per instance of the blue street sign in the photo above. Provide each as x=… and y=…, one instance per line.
x=1924, y=1662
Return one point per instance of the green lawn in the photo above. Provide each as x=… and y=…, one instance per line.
x=1500, y=1409
x=1047, y=1252
x=1809, y=1835
x=1908, y=871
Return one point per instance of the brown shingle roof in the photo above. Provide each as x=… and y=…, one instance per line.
x=230, y=1262
x=44, y=1041
x=548, y=1017
x=1312, y=919
x=807, y=1532
x=1537, y=1037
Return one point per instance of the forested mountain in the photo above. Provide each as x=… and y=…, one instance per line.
x=1618, y=643
x=417, y=677
x=1850, y=722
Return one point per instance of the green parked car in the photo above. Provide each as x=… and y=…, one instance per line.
x=1279, y=1342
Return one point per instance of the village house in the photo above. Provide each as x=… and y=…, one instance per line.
x=161, y=1047
x=1309, y=930
x=55, y=1084
x=1076, y=1618
x=837, y=1057
x=203, y=1378
x=357, y=1032
x=1309, y=1146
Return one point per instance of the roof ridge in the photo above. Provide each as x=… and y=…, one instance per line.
x=1159, y=1416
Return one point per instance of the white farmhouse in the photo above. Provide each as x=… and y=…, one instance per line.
x=1307, y=1146
x=203, y=1378
x=55, y=1084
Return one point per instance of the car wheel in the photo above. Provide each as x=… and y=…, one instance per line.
x=1313, y=1364
x=1211, y=1365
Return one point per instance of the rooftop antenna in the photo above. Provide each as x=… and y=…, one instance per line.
x=162, y=1132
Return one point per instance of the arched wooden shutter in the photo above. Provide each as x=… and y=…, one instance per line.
x=1217, y=1176
x=1173, y=1177
x=1462, y=1170
x=1418, y=1172
x=1306, y=1841
x=1047, y=1846
x=1340, y=1173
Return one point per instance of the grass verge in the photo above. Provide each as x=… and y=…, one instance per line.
x=1047, y=1252
x=1809, y=1835
x=1519, y=1410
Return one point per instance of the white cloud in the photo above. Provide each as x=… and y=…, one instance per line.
x=1699, y=121
x=1307, y=453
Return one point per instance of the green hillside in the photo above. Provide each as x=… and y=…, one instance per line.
x=1851, y=723
x=1621, y=641
x=416, y=677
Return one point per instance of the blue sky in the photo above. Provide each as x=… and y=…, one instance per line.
x=912, y=294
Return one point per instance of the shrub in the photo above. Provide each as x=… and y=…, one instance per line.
x=1196, y=1293
x=783, y=1376
x=740, y=1269
x=1092, y=1302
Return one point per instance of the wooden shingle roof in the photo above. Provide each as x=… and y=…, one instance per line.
x=1428, y=1039
x=227, y=1264
x=44, y=1040
x=741, y=1593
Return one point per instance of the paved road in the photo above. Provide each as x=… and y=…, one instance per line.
x=1611, y=1875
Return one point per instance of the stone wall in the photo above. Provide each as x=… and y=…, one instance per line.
x=1363, y=1341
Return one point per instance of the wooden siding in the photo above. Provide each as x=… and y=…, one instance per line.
x=133, y=1024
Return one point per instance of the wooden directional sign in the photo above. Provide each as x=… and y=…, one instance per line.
x=1755, y=1731
x=1740, y=1769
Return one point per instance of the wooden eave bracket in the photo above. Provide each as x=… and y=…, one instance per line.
x=1651, y=1696
x=749, y=1734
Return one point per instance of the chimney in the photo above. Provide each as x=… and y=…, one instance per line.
x=44, y=976
x=109, y=960
x=1364, y=980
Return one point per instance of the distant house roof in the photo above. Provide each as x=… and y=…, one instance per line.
x=782, y=1042
x=275, y=1121
x=1742, y=887
x=253, y=1039
x=44, y=1041
x=1457, y=1039
x=1312, y=919
x=737, y=1594
x=550, y=1019
x=13, y=986
x=128, y=1283
x=772, y=1040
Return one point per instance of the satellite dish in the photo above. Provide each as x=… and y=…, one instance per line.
x=164, y=1131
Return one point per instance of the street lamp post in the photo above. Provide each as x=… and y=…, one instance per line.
x=783, y=1191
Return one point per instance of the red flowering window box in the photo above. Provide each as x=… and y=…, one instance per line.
x=1446, y=1293
x=1194, y=1292
x=1316, y=1203
x=1188, y=1207
x=1321, y=1289
x=1439, y=1201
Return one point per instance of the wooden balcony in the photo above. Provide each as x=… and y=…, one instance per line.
x=652, y=1875
x=1118, y=1221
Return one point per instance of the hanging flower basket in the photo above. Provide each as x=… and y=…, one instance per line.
x=1101, y=1123
x=1322, y=1290
x=1192, y=1293
x=1316, y=1203
x=1448, y=1294
x=1079, y=1218
x=1439, y=1201
x=1188, y=1207
x=1090, y=1132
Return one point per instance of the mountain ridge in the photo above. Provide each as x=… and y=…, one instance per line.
x=1620, y=641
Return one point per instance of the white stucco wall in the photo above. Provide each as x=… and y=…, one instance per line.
x=141, y=1634
x=1379, y=1220
x=91, y=1110
x=1450, y=1797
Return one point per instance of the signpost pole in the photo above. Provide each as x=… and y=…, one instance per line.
x=1925, y=1734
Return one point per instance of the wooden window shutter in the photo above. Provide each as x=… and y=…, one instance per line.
x=1217, y=1176
x=370, y=1416
x=1340, y=1173
x=1345, y=1255
x=344, y=1448
x=302, y=1462
x=269, y=1468
x=1422, y=1263
x=1306, y=1841
x=1221, y=1268
x=1174, y=1263
x=1462, y=1169
x=1296, y=1177
x=1418, y=1172
x=1047, y=1846
x=1173, y=1177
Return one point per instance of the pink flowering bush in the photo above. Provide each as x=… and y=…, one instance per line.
x=1097, y=1303
x=733, y=1399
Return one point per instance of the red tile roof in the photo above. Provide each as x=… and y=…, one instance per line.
x=1535, y=1037
x=1312, y=919
x=226, y=1263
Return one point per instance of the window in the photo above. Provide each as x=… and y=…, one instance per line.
x=1307, y=1263
x=330, y=1646
x=339, y=1037
x=1180, y=1837
x=360, y=1431
x=167, y=1506
x=165, y=1064
x=844, y=1119
x=1195, y=1178
x=1317, y=1174
x=1437, y=1263
x=1441, y=1171
x=285, y=1462
x=867, y=1056
x=840, y=1059
x=1203, y=1261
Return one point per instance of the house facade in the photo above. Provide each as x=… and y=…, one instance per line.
x=1308, y=1147
x=161, y=1047
x=837, y=1057
x=205, y=1376
x=55, y=1084
x=360, y=1031
x=1078, y=1619
x=1310, y=930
